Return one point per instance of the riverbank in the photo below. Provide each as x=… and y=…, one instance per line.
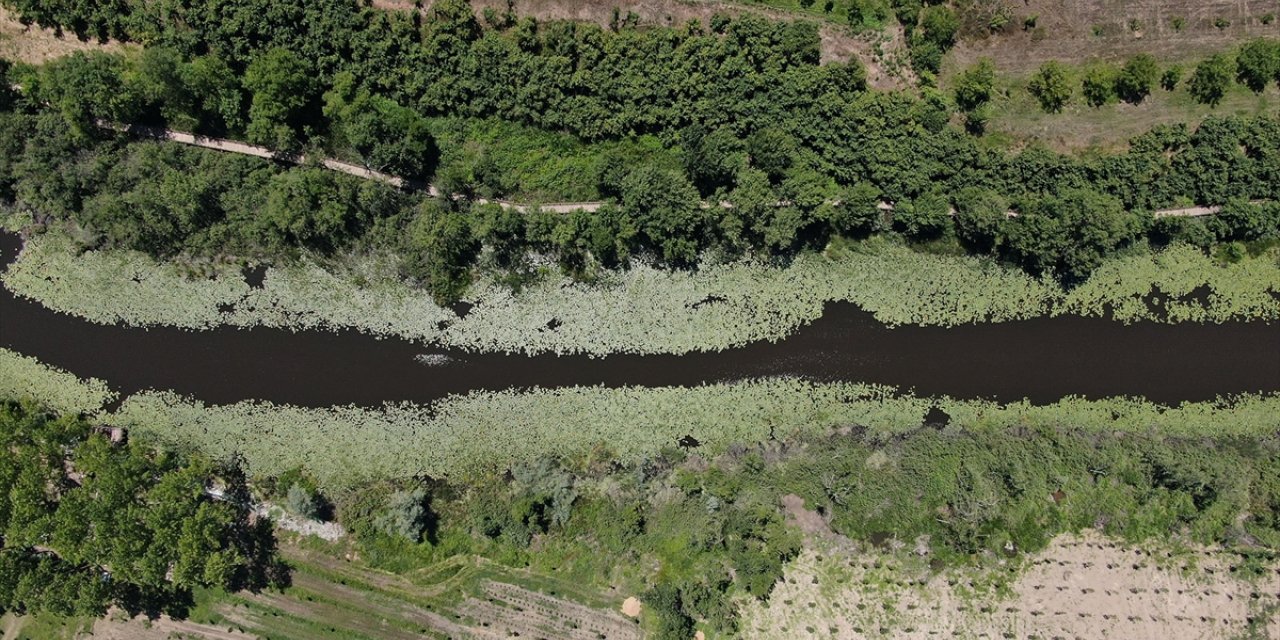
x=642, y=310
x=486, y=430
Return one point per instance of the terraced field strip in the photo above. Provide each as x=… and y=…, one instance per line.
x=459, y=598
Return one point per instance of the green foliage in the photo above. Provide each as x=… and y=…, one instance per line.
x=88, y=524
x=1211, y=79
x=925, y=217
x=87, y=87
x=439, y=249
x=973, y=87
x=1099, y=85
x=1051, y=86
x=407, y=514
x=283, y=88
x=388, y=137
x=1134, y=82
x=1071, y=233
x=1258, y=64
x=1170, y=78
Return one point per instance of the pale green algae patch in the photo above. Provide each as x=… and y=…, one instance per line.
x=643, y=309
x=25, y=377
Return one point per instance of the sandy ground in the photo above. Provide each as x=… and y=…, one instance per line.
x=1083, y=586
x=36, y=45
x=1081, y=30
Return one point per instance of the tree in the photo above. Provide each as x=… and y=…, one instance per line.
x=974, y=85
x=1210, y=80
x=76, y=509
x=1099, y=85
x=86, y=87
x=1136, y=78
x=440, y=248
x=307, y=207
x=407, y=515
x=1258, y=63
x=1051, y=86
x=1070, y=232
x=1170, y=78
x=712, y=158
x=667, y=211
x=980, y=216
x=283, y=88
x=771, y=150
x=856, y=210
x=7, y=95
x=388, y=137
x=219, y=110
x=927, y=216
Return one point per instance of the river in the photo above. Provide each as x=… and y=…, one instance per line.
x=1042, y=359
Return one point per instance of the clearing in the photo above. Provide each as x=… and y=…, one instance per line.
x=1077, y=31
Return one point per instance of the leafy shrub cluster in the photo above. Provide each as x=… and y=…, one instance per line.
x=700, y=528
x=1256, y=64
x=86, y=524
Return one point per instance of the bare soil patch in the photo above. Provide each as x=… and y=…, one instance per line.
x=35, y=45
x=1080, y=587
x=1081, y=30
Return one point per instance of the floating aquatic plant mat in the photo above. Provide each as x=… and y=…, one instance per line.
x=643, y=309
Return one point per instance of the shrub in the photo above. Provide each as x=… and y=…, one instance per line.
x=407, y=515
x=1136, y=78
x=1099, y=85
x=1170, y=78
x=974, y=85
x=1258, y=63
x=1210, y=80
x=1051, y=86
x=302, y=501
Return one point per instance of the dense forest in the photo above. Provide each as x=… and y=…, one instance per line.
x=799, y=151
x=87, y=523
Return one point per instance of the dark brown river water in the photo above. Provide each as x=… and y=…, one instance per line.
x=1042, y=359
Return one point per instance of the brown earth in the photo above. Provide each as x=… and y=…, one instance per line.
x=35, y=45
x=1080, y=587
x=1081, y=30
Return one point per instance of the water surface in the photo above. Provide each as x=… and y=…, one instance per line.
x=1042, y=359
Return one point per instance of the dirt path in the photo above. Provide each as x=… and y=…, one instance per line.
x=232, y=146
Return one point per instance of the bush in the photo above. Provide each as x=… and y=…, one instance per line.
x=1136, y=78
x=303, y=501
x=1258, y=64
x=1212, y=77
x=974, y=85
x=1170, y=78
x=1099, y=85
x=406, y=515
x=1051, y=86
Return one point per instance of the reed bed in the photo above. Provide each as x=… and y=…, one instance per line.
x=23, y=377
x=480, y=431
x=644, y=309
